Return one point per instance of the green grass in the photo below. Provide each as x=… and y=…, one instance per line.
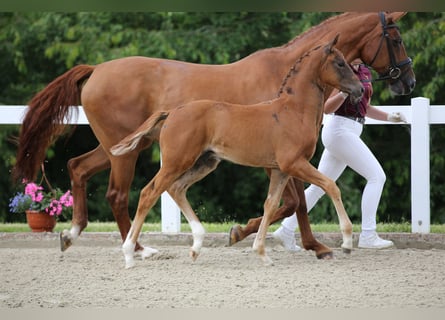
x=216, y=227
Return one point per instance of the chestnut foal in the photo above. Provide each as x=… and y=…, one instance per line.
x=280, y=134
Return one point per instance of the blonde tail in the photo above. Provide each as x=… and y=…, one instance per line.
x=130, y=142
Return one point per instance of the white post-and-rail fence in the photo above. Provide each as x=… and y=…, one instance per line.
x=420, y=115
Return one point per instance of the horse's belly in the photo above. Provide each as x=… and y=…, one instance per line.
x=247, y=156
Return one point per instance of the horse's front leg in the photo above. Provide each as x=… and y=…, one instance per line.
x=147, y=199
x=278, y=181
x=81, y=169
x=304, y=171
x=291, y=202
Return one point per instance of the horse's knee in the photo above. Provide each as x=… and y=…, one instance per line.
x=270, y=205
x=332, y=190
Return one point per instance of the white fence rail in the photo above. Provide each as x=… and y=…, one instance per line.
x=419, y=115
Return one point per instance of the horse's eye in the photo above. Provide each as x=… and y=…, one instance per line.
x=341, y=64
x=397, y=42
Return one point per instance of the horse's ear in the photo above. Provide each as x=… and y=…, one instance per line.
x=395, y=16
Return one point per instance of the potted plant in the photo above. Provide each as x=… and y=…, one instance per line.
x=41, y=207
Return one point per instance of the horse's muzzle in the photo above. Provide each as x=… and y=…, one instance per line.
x=356, y=95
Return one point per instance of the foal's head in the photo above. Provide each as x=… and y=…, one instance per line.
x=334, y=71
x=325, y=66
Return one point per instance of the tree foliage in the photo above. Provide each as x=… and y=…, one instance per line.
x=39, y=46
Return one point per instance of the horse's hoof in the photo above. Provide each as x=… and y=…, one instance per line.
x=326, y=255
x=193, y=254
x=129, y=260
x=267, y=261
x=146, y=252
x=234, y=235
x=65, y=241
x=346, y=250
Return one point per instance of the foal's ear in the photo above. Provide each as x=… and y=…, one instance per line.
x=332, y=44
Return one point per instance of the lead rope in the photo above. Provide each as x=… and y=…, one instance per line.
x=44, y=177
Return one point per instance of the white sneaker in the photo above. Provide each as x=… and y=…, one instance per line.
x=287, y=238
x=373, y=241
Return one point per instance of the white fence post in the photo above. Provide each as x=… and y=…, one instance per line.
x=420, y=165
x=170, y=213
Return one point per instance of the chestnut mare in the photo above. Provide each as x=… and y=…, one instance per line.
x=118, y=95
x=280, y=135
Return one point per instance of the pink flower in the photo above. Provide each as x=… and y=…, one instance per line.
x=55, y=208
x=67, y=199
x=33, y=190
x=38, y=197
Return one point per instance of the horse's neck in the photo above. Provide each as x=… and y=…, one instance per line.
x=306, y=95
x=353, y=29
x=269, y=66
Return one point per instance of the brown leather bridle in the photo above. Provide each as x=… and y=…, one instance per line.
x=394, y=70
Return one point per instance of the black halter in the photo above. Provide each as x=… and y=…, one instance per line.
x=394, y=71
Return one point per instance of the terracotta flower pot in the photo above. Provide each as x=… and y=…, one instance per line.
x=40, y=221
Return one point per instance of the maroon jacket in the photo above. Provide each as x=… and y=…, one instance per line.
x=358, y=110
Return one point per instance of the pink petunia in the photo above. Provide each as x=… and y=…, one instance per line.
x=33, y=190
x=55, y=208
x=67, y=199
x=38, y=197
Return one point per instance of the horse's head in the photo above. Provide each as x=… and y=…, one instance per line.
x=336, y=72
x=384, y=52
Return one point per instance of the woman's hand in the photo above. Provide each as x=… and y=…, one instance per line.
x=396, y=117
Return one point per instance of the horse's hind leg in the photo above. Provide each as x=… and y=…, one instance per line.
x=148, y=197
x=278, y=181
x=307, y=238
x=80, y=170
x=177, y=191
x=202, y=167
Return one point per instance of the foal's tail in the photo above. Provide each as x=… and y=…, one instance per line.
x=150, y=126
x=43, y=122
